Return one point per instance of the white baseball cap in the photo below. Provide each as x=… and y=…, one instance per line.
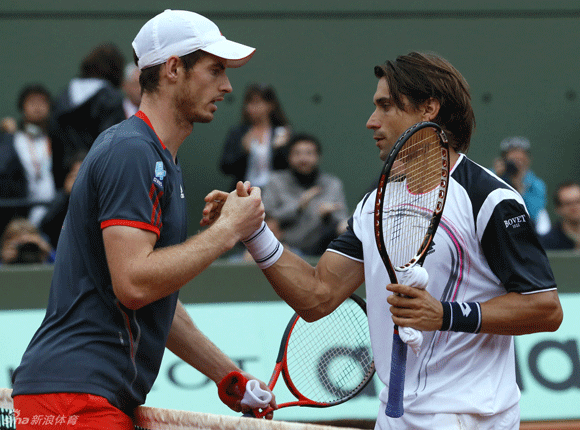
x=180, y=32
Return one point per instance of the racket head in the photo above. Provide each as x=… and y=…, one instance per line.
x=328, y=361
x=411, y=195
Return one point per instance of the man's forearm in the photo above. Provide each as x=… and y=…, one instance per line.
x=294, y=280
x=192, y=346
x=314, y=292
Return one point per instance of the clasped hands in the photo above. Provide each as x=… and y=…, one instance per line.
x=241, y=210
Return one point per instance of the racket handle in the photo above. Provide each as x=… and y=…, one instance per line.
x=394, y=407
x=256, y=413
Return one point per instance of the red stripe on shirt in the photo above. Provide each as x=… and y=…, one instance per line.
x=135, y=224
x=140, y=114
x=158, y=220
x=155, y=195
x=156, y=212
x=152, y=191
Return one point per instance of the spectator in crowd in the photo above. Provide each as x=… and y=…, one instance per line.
x=26, y=161
x=131, y=89
x=34, y=148
x=256, y=147
x=90, y=104
x=22, y=243
x=514, y=167
x=51, y=223
x=565, y=234
x=309, y=204
x=8, y=125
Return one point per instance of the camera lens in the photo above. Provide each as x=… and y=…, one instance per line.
x=28, y=253
x=511, y=168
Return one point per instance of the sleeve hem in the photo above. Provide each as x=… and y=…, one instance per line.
x=539, y=291
x=345, y=255
x=128, y=223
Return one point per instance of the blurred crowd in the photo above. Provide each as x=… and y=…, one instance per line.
x=514, y=167
x=42, y=150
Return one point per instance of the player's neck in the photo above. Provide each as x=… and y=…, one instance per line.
x=453, y=157
x=163, y=119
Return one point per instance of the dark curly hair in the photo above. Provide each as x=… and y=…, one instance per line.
x=420, y=77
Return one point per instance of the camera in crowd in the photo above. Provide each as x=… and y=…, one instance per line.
x=511, y=169
x=29, y=252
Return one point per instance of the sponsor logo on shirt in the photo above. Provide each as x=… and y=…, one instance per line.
x=515, y=221
x=181, y=188
x=160, y=174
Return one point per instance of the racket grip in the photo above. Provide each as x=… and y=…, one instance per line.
x=256, y=413
x=394, y=407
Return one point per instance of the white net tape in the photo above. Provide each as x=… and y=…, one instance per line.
x=167, y=419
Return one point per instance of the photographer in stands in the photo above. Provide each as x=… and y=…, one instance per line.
x=514, y=167
x=22, y=243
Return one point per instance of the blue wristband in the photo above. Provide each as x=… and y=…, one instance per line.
x=461, y=316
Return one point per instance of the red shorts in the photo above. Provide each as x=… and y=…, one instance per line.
x=56, y=411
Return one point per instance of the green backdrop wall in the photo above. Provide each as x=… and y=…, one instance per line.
x=519, y=57
x=27, y=286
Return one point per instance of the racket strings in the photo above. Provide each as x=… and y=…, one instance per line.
x=411, y=196
x=330, y=360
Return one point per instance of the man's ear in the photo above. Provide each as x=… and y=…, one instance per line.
x=171, y=66
x=430, y=109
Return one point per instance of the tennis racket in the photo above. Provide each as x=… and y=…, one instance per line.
x=409, y=202
x=326, y=362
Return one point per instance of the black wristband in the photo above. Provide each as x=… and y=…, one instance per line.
x=446, y=316
x=461, y=317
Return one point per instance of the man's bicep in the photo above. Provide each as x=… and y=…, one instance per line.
x=126, y=248
x=334, y=279
x=340, y=274
x=341, y=267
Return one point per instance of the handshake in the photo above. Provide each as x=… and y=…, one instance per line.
x=240, y=215
x=242, y=209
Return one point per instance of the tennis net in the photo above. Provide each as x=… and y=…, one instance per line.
x=147, y=418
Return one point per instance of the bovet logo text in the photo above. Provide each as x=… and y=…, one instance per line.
x=515, y=221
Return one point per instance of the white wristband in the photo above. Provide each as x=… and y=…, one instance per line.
x=263, y=246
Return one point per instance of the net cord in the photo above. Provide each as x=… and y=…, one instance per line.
x=166, y=419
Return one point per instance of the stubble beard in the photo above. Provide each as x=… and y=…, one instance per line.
x=185, y=109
